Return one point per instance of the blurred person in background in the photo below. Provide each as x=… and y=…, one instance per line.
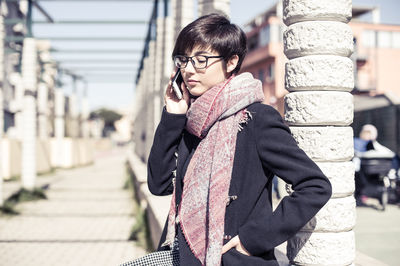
x=367, y=146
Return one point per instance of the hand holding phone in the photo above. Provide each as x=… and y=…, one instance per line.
x=176, y=84
x=176, y=96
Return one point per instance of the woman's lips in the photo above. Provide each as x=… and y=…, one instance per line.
x=192, y=82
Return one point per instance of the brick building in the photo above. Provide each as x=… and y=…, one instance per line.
x=376, y=54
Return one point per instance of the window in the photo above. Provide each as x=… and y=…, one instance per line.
x=261, y=75
x=396, y=39
x=368, y=38
x=252, y=42
x=271, y=72
x=265, y=35
x=275, y=31
x=384, y=39
x=282, y=28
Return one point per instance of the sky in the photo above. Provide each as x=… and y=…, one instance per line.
x=115, y=89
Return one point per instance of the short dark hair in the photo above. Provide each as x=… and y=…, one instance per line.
x=216, y=32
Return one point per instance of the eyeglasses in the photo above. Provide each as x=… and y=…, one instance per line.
x=198, y=61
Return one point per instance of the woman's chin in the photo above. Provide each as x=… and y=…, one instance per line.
x=196, y=92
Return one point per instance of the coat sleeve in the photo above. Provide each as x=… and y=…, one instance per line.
x=280, y=154
x=162, y=160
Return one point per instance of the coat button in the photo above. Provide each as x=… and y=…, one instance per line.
x=230, y=199
x=227, y=237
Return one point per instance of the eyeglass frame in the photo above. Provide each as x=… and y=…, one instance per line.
x=193, y=62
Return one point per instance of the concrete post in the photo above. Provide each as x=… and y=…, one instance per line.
x=214, y=6
x=158, y=64
x=149, y=76
x=183, y=14
x=74, y=111
x=29, y=65
x=59, y=124
x=44, y=88
x=139, y=113
x=167, y=63
x=50, y=78
x=16, y=80
x=59, y=110
x=2, y=35
x=169, y=40
x=319, y=110
x=85, y=114
x=42, y=97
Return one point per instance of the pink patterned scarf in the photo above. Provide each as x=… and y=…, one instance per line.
x=216, y=117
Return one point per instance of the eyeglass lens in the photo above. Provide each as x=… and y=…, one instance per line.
x=198, y=61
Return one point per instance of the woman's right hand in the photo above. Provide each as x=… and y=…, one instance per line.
x=172, y=103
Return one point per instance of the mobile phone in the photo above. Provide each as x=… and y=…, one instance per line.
x=176, y=84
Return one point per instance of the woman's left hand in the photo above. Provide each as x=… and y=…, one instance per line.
x=235, y=243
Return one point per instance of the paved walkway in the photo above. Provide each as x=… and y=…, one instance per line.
x=378, y=233
x=86, y=219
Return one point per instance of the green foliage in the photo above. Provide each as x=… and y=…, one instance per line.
x=129, y=181
x=8, y=208
x=27, y=195
x=140, y=230
x=21, y=195
x=108, y=116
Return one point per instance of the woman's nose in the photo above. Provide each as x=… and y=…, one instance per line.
x=190, y=67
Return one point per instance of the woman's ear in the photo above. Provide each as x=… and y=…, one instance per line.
x=232, y=63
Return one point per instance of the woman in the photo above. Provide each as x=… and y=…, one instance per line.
x=217, y=150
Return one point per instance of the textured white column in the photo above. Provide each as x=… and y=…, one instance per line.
x=85, y=117
x=42, y=100
x=59, y=110
x=74, y=115
x=45, y=87
x=158, y=64
x=50, y=79
x=29, y=66
x=59, y=124
x=2, y=35
x=169, y=41
x=150, y=89
x=214, y=6
x=183, y=14
x=16, y=80
x=319, y=110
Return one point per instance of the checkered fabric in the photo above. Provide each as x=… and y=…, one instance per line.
x=158, y=258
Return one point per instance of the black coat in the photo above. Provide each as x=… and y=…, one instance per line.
x=264, y=148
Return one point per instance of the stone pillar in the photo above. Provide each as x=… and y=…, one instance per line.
x=2, y=35
x=169, y=41
x=183, y=14
x=42, y=99
x=167, y=63
x=158, y=64
x=214, y=6
x=50, y=78
x=59, y=126
x=73, y=112
x=149, y=87
x=29, y=66
x=59, y=111
x=16, y=80
x=85, y=114
x=319, y=110
x=139, y=114
x=45, y=87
